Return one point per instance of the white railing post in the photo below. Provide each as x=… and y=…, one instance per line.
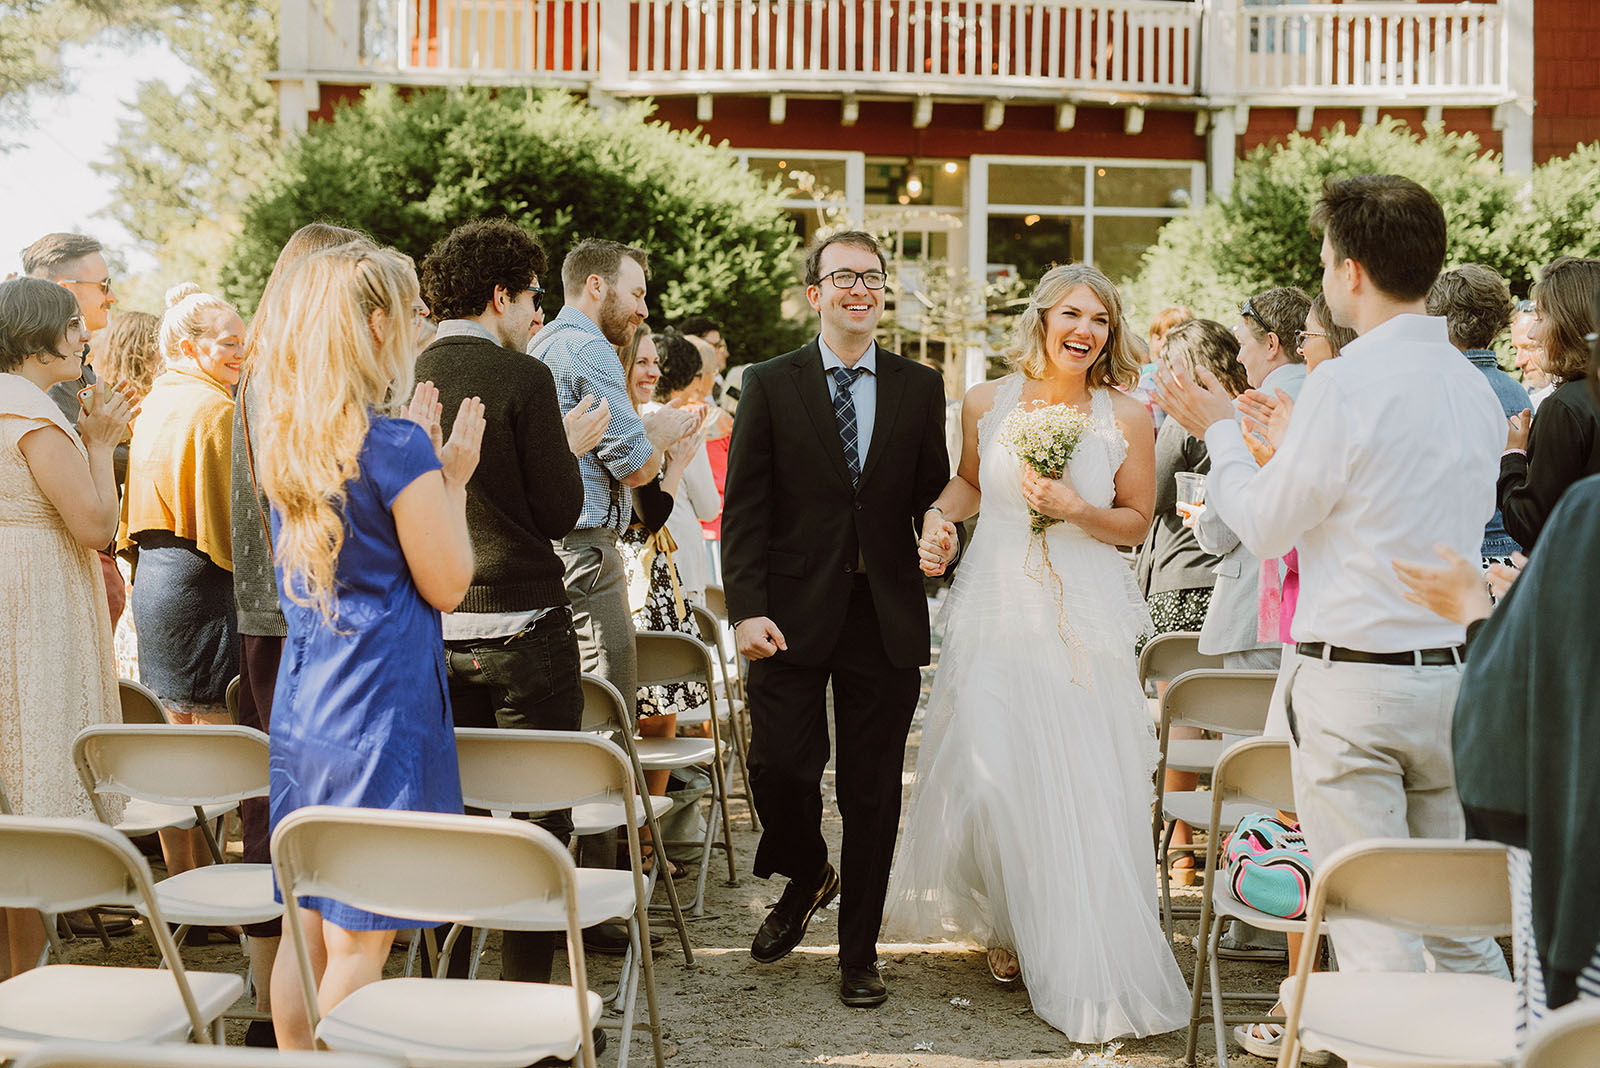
x=1223, y=50
x=1516, y=69
x=613, y=67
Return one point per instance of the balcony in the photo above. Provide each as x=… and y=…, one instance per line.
x=1214, y=52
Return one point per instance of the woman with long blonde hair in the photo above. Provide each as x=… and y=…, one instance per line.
x=370, y=539
x=1028, y=831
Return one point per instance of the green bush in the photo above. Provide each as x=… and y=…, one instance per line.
x=1258, y=235
x=408, y=169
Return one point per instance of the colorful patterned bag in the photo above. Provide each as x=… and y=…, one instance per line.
x=1268, y=867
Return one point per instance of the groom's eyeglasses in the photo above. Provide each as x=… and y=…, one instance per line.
x=844, y=278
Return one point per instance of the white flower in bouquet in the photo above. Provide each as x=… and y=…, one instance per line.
x=1044, y=439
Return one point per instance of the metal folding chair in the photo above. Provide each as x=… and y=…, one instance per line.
x=436, y=867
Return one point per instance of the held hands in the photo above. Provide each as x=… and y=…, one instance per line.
x=1517, y=429
x=1054, y=497
x=1455, y=591
x=758, y=638
x=937, y=546
x=458, y=457
x=586, y=424
x=107, y=411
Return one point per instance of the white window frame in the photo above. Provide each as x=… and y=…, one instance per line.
x=855, y=175
x=980, y=208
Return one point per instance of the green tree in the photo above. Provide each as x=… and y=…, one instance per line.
x=184, y=167
x=408, y=169
x=32, y=35
x=1258, y=236
x=1558, y=213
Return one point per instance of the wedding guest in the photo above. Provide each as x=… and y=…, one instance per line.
x=657, y=592
x=1176, y=577
x=1373, y=670
x=1476, y=305
x=77, y=263
x=129, y=350
x=255, y=586
x=1526, y=706
x=1528, y=355
x=699, y=499
x=511, y=655
x=1322, y=339
x=605, y=283
x=1563, y=445
x=177, y=519
x=58, y=504
x=1230, y=625
x=369, y=533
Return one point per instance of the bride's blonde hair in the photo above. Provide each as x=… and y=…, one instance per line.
x=345, y=350
x=1119, y=361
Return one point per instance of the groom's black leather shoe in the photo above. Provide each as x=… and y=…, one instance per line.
x=785, y=925
x=861, y=987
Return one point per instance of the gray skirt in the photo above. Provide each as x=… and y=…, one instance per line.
x=183, y=611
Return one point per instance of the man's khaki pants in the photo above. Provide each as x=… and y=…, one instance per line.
x=1372, y=759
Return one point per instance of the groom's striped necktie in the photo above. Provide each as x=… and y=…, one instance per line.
x=844, y=409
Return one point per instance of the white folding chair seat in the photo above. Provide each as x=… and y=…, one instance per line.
x=471, y=1023
x=141, y=817
x=59, y=865
x=1567, y=1038
x=596, y=817
x=1194, y=808
x=103, y=1004
x=105, y=1055
x=1195, y=754
x=663, y=754
x=1398, y=1020
x=219, y=895
x=476, y=867
x=528, y=771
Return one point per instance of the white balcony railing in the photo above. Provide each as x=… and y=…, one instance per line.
x=1382, y=53
x=1148, y=46
x=1371, y=50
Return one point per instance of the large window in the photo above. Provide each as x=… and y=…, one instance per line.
x=1037, y=212
x=817, y=183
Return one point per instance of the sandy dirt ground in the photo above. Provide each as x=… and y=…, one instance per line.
x=726, y=1011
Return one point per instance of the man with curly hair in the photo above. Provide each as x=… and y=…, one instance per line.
x=510, y=649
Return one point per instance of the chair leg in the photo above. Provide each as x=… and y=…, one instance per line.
x=720, y=777
x=1219, y=1023
x=648, y=964
x=1195, y=988
x=664, y=863
x=1166, y=881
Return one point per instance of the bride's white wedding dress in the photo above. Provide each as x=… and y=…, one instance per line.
x=1029, y=823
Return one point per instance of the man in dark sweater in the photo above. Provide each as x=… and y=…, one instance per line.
x=510, y=650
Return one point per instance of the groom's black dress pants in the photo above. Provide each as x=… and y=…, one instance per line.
x=873, y=703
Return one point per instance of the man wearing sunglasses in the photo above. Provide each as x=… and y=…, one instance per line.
x=838, y=451
x=77, y=263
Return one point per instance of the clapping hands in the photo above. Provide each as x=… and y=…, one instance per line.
x=1266, y=422
x=107, y=411
x=586, y=424
x=458, y=457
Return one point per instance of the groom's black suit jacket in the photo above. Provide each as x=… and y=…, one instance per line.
x=793, y=529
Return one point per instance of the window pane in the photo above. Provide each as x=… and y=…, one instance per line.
x=811, y=178
x=1036, y=183
x=1120, y=242
x=1143, y=187
x=1026, y=246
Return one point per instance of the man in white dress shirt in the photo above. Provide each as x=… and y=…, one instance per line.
x=1393, y=449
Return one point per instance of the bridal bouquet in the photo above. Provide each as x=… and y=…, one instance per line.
x=1044, y=438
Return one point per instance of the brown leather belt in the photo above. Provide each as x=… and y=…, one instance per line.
x=1415, y=658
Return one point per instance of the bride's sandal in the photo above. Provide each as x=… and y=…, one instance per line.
x=1004, y=965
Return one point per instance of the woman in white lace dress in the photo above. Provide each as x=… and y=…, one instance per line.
x=58, y=504
x=1029, y=825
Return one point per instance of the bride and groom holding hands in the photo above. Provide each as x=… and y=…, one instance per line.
x=1028, y=829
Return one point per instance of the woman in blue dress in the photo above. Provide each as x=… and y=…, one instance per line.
x=369, y=537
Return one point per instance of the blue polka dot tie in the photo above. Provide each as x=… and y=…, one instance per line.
x=844, y=409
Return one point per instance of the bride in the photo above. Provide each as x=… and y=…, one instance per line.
x=1029, y=824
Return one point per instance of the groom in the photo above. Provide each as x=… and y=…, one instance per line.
x=838, y=451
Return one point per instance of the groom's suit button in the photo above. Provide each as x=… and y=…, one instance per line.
x=848, y=568
x=858, y=506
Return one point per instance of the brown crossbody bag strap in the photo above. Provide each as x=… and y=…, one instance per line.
x=250, y=461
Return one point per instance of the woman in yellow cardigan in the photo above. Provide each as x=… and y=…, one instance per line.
x=176, y=517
